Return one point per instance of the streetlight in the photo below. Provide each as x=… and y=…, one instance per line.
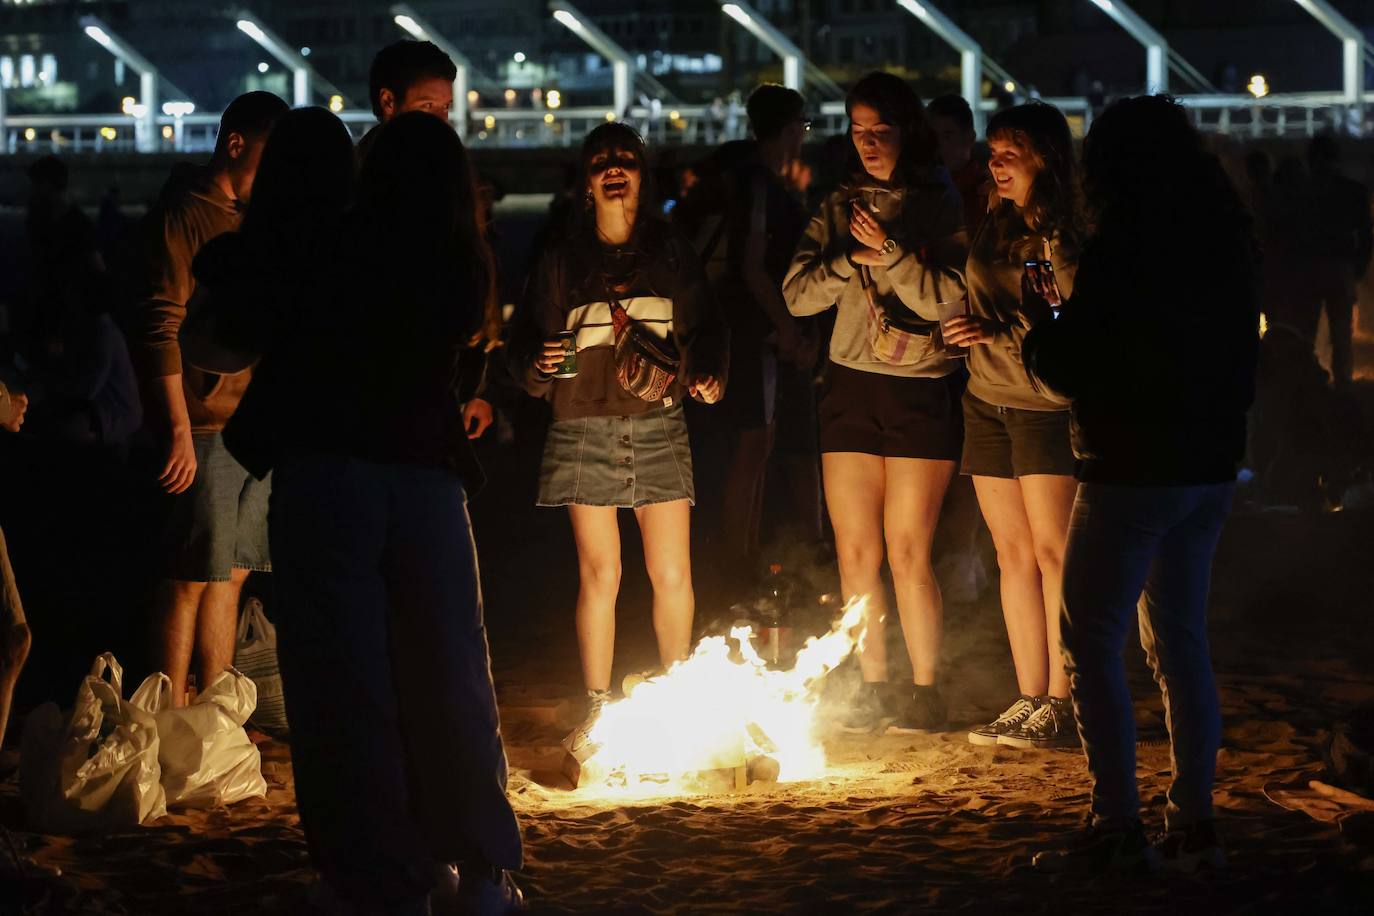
x=464, y=98
x=621, y=62
x=302, y=74
x=145, y=110
x=1353, y=47
x=764, y=32
x=1156, y=46
x=971, y=59
x=1258, y=86
x=793, y=61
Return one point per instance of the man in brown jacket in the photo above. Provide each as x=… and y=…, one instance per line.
x=217, y=532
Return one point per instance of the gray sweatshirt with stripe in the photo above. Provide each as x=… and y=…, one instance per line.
x=926, y=220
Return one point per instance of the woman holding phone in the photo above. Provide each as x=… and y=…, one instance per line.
x=1016, y=433
x=623, y=285
x=886, y=250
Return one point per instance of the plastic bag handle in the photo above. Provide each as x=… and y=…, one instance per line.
x=252, y=620
x=106, y=662
x=154, y=694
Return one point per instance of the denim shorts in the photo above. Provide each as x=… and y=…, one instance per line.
x=622, y=461
x=220, y=523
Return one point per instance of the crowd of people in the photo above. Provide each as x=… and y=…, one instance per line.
x=1065, y=344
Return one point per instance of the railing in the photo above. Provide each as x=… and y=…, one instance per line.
x=501, y=127
x=1289, y=115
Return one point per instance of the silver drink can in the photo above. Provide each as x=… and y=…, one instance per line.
x=567, y=368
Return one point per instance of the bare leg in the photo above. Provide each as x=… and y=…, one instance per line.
x=179, y=603
x=666, y=531
x=1023, y=592
x=1049, y=503
x=915, y=488
x=854, y=494
x=597, y=534
x=217, y=626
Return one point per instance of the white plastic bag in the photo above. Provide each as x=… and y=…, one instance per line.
x=255, y=654
x=205, y=754
x=96, y=769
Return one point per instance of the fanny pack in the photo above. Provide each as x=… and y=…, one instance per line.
x=894, y=339
x=644, y=365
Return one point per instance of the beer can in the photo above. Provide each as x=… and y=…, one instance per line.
x=567, y=368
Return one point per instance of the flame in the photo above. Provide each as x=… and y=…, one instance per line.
x=714, y=712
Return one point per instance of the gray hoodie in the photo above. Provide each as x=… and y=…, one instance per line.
x=996, y=263
x=926, y=220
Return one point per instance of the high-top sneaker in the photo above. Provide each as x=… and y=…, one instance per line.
x=1013, y=717
x=1051, y=725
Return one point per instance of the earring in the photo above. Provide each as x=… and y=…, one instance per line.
x=587, y=199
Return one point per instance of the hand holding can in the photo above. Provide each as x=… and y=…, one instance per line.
x=568, y=367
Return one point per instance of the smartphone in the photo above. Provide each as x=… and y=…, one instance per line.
x=1039, y=277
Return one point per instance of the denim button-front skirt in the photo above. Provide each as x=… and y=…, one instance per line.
x=622, y=461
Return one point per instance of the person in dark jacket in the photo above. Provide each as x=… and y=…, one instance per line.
x=770, y=351
x=379, y=603
x=622, y=271
x=1157, y=352
x=217, y=532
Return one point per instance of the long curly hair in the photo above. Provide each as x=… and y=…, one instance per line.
x=1055, y=203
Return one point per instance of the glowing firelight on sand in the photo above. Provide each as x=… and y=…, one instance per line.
x=714, y=712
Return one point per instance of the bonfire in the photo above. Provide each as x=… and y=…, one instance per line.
x=720, y=711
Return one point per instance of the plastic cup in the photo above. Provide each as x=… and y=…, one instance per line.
x=947, y=312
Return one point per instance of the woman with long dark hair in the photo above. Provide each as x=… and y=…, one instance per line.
x=1016, y=433
x=395, y=740
x=628, y=293
x=1157, y=352
x=887, y=249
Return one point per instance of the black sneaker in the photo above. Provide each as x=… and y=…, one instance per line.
x=1014, y=715
x=1051, y=725
x=924, y=712
x=1192, y=848
x=578, y=743
x=869, y=710
x=1099, y=849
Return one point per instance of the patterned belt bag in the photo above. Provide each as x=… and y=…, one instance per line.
x=644, y=365
x=894, y=340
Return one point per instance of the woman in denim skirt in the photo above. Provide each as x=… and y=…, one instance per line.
x=608, y=447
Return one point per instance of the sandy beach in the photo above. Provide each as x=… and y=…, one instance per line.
x=898, y=824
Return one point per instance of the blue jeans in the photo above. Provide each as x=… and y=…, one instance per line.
x=395, y=738
x=1125, y=540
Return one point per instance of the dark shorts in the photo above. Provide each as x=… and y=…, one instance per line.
x=890, y=415
x=1010, y=442
x=626, y=461
x=220, y=523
